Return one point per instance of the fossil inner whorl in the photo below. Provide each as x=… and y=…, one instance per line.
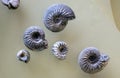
x=11, y=4
x=57, y=16
x=91, y=61
x=60, y=50
x=34, y=38
x=93, y=58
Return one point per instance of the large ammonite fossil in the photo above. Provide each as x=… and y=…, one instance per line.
x=60, y=49
x=24, y=56
x=91, y=61
x=11, y=4
x=34, y=38
x=57, y=17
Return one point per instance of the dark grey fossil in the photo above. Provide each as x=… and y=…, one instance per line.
x=11, y=4
x=34, y=38
x=92, y=61
x=57, y=17
x=23, y=55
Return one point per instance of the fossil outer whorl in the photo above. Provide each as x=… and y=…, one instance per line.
x=11, y=4
x=91, y=61
x=23, y=55
x=57, y=16
x=34, y=38
x=60, y=50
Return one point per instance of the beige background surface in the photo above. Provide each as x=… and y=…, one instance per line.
x=94, y=26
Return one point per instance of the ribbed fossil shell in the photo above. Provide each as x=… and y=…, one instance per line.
x=34, y=38
x=57, y=16
x=92, y=61
x=23, y=55
x=11, y=4
x=60, y=50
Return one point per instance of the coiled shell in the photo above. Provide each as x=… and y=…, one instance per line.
x=57, y=16
x=11, y=4
x=60, y=50
x=92, y=61
x=34, y=38
x=23, y=55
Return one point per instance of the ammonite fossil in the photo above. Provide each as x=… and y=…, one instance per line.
x=57, y=16
x=11, y=4
x=23, y=55
x=92, y=61
x=34, y=38
x=60, y=50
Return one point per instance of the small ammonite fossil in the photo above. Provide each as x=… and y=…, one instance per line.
x=23, y=55
x=34, y=38
x=92, y=61
x=11, y=4
x=60, y=49
x=57, y=17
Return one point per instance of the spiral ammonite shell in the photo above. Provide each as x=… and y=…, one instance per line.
x=92, y=61
x=60, y=50
x=23, y=55
x=11, y=4
x=57, y=16
x=34, y=38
